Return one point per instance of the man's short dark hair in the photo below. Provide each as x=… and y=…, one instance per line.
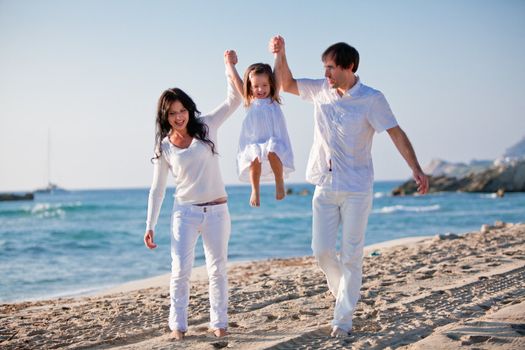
x=343, y=55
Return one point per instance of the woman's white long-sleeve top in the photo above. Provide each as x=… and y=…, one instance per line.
x=195, y=169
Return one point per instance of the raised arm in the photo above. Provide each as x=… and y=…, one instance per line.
x=282, y=71
x=233, y=98
x=230, y=60
x=405, y=148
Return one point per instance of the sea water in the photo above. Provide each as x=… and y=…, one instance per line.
x=77, y=242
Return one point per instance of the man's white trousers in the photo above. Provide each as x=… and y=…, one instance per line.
x=344, y=270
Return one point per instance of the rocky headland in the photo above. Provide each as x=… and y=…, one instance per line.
x=504, y=174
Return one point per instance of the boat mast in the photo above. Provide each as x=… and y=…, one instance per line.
x=48, y=157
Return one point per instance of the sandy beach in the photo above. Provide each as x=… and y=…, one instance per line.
x=442, y=292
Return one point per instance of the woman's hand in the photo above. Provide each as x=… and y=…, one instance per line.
x=148, y=239
x=230, y=60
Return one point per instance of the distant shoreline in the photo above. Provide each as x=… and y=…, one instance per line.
x=147, y=187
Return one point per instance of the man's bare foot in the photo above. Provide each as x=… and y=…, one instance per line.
x=178, y=335
x=279, y=189
x=220, y=332
x=255, y=200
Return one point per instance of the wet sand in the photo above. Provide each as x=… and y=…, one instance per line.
x=439, y=293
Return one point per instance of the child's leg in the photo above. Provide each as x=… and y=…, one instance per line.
x=277, y=167
x=255, y=177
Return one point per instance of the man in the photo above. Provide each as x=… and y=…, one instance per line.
x=346, y=115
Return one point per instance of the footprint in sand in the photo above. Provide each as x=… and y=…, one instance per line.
x=270, y=317
x=219, y=344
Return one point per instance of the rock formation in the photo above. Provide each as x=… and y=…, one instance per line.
x=505, y=174
x=508, y=177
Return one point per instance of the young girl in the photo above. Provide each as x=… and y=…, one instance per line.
x=264, y=146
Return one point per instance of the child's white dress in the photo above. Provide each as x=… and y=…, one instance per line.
x=264, y=130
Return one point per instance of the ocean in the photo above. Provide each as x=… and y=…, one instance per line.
x=80, y=242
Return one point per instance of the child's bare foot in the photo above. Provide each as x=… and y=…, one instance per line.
x=255, y=200
x=220, y=332
x=279, y=189
x=177, y=335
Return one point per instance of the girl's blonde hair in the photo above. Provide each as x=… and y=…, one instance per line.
x=259, y=68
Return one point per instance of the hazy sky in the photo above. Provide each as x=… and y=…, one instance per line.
x=91, y=72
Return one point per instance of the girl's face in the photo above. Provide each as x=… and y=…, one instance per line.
x=178, y=116
x=260, y=85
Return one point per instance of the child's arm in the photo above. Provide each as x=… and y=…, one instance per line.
x=277, y=75
x=230, y=59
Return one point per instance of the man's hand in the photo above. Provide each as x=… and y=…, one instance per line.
x=422, y=182
x=276, y=45
x=230, y=57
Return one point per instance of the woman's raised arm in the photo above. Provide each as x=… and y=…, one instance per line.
x=233, y=96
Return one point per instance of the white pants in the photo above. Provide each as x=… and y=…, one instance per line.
x=343, y=272
x=213, y=222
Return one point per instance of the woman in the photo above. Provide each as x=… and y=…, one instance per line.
x=187, y=145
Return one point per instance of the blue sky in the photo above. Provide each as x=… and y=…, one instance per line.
x=90, y=72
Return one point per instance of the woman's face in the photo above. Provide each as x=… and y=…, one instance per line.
x=178, y=116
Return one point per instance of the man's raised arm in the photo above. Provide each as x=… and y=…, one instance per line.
x=282, y=71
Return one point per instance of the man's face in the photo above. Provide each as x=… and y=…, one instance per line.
x=336, y=76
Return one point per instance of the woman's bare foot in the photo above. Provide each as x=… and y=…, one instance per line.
x=220, y=332
x=177, y=335
x=339, y=333
x=255, y=200
x=279, y=189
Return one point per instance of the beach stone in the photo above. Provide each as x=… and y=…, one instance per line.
x=304, y=192
x=375, y=253
x=499, y=224
x=447, y=236
x=485, y=228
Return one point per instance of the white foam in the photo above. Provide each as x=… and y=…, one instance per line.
x=406, y=208
x=49, y=210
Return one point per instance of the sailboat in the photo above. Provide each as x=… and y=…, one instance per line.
x=51, y=187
